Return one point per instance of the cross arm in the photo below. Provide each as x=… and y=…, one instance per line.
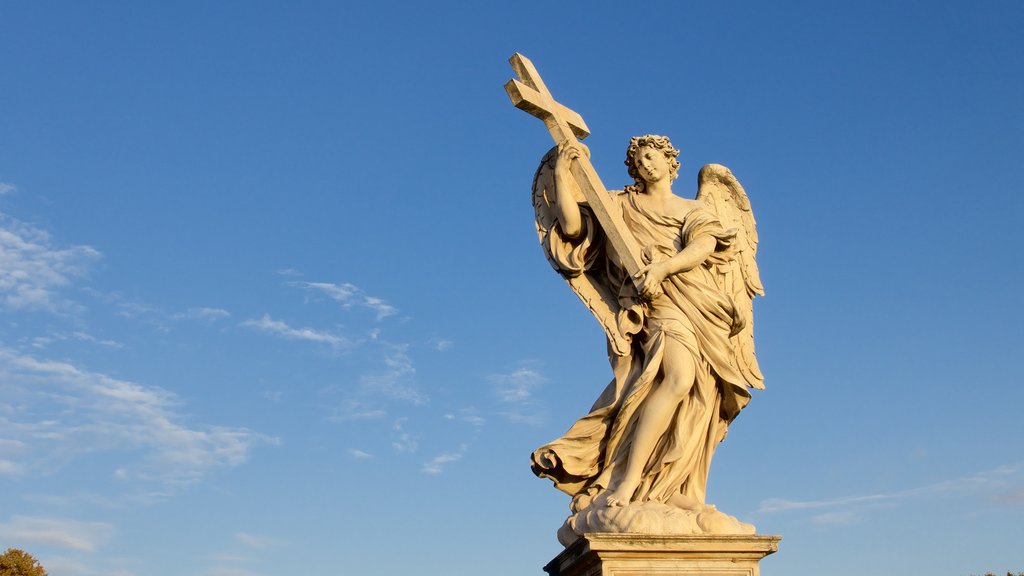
x=531, y=95
x=532, y=102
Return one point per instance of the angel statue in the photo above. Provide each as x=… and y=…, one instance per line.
x=680, y=339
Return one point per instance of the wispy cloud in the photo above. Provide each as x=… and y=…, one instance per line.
x=137, y=310
x=258, y=541
x=403, y=441
x=349, y=295
x=355, y=409
x=57, y=532
x=990, y=484
x=6, y=188
x=467, y=415
x=396, y=379
x=390, y=378
x=515, y=390
x=44, y=341
x=359, y=454
x=86, y=337
x=203, y=313
x=33, y=269
x=1014, y=497
x=268, y=325
x=10, y=468
x=517, y=387
x=436, y=464
x=155, y=315
x=65, y=412
x=440, y=344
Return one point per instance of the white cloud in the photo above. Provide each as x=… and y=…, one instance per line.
x=396, y=380
x=846, y=509
x=440, y=344
x=44, y=341
x=475, y=420
x=277, y=327
x=467, y=415
x=517, y=387
x=10, y=468
x=33, y=270
x=1013, y=497
x=130, y=309
x=392, y=379
x=349, y=295
x=57, y=532
x=203, y=313
x=258, y=541
x=75, y=412
x=85, y=337
x=156, y=316
x=359, y=454
x=6, y=188
x=403, y=442
x=436, y=464
x=355, y=409
x=13, y=445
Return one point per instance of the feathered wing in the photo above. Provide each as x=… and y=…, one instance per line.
x=723, y=194
x=574, y=259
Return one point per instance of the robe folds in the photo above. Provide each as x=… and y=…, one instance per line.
x=692, y=311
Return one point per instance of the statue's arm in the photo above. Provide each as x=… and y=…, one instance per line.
x=566, y=208
x=693, y=254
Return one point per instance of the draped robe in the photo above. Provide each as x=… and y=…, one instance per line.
x=692, y=311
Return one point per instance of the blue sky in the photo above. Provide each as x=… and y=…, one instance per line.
x=272, y=301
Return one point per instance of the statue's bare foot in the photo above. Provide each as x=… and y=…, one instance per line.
x=613, y=501
x=620, y=496
x=687, y=503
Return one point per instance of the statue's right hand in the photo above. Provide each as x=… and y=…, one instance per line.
x=568, y=151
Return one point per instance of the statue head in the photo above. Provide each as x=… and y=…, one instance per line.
x=660, y=143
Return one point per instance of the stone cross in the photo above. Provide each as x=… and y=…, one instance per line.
x=531, y=95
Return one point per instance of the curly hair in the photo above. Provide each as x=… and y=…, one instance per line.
x=661, y=143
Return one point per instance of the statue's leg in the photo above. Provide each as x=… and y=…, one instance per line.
x=678, y=375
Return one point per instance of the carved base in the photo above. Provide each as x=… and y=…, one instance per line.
x=640, y=554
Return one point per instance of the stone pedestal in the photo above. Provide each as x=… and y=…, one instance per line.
x=641, y=554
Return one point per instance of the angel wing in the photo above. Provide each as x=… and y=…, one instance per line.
x=722, y=193
x=573, y=260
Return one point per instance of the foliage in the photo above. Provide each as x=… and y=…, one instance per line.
x=16, y=562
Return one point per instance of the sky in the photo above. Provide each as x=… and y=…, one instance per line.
x=271, y=298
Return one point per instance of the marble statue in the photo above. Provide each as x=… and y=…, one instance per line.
x=671, y=281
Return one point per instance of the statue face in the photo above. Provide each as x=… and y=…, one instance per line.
x=652, y=164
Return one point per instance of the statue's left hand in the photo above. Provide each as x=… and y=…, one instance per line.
x=651, y=276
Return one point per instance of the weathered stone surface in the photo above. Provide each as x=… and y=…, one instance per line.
x=637, y=555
